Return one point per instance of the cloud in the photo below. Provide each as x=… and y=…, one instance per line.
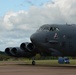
x=17, y=27
x=68, y=9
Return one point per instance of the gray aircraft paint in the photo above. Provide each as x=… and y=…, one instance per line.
x=48, y=40
x=66, y=37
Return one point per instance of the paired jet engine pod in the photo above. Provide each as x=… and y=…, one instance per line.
x=8, y=51
x=26, y=46
x=18, y=52
x=14, y=51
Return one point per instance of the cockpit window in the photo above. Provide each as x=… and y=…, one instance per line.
x=54, y=29
x=51, y=29
x=44, y=28
x=57, y=29
x=48, y=28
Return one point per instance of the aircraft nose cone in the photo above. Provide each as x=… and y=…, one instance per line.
x=33, y=38
x=37, y=38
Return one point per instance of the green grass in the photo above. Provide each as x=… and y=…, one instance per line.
x=38, y=62
x=49, y=62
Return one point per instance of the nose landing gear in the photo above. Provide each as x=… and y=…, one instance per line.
x=33, y=61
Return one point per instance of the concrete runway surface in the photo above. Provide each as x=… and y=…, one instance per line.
x=19, y=68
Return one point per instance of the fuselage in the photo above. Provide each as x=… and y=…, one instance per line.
x=56, y=39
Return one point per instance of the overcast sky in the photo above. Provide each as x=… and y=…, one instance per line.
x=21, y=18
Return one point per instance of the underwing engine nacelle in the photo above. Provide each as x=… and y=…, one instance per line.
x=8, y=51
x=28, y=47
x=18, y=52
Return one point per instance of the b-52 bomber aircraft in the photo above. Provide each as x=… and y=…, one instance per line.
x=48, y=40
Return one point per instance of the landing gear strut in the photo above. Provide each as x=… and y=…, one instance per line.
x=33, y=61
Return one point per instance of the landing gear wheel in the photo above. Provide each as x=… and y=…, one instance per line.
x=33, y=62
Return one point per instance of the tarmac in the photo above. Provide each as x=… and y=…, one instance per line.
x=20, y=68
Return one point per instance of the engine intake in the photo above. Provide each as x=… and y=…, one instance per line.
x=28, y=47
x=16, y=51
x=8, y=51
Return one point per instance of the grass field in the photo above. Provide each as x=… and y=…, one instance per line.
x=49, y=62
x=38, y=62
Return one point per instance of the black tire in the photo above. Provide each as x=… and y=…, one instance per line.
x=33, y=62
